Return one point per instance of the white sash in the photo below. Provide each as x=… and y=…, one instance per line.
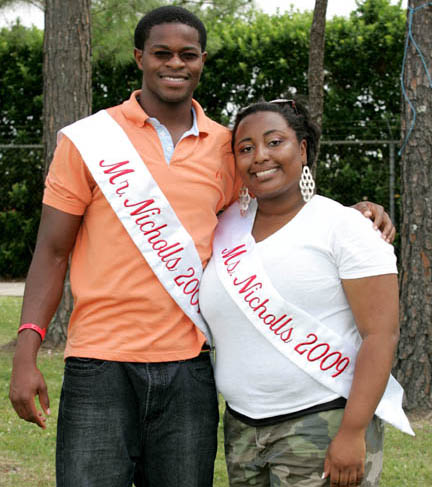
x=310, y=345
x=142, y=208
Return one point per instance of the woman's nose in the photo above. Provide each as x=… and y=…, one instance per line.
x=261, y=154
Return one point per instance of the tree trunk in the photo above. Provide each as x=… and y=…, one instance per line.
x=414, y=359
x=316, y=66
x=66, y=96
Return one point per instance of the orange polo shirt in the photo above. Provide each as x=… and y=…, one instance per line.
x=121, y=311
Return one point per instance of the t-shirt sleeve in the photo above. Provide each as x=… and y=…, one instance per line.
x=359, y=250
x=68, y=185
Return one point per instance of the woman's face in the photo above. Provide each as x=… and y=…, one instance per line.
x=268, y=156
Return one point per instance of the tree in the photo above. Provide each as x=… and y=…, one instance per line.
x=414, y=358
x=316, y=66
x=67, y=92
x=66, y=96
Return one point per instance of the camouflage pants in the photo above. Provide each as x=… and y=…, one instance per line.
x=292, y=453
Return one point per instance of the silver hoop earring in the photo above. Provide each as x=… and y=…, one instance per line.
x=307, y=184
x=244, y=200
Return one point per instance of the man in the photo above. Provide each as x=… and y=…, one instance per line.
x=138, y=387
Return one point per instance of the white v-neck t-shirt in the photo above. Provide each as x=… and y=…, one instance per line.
x=305, y=260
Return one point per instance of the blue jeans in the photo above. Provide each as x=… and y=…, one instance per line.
x=156, y=418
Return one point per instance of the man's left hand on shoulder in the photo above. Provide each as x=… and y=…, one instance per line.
x=380, y=218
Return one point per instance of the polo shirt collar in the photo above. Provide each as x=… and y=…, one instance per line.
x=133, y=111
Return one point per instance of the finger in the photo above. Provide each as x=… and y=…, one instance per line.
x=334, y=477
x=35, y=416
x=360, y=475
x=343, y=478
x=27, y=411
x=378, y=216
x=44, y=399
x=326, y=471
x=386, y=225
x=352, y=479
x=391, y=236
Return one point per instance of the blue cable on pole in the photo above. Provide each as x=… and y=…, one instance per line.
x=409, y=38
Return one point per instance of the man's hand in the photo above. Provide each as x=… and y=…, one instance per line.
x=25, y=385
x=345, y=460
x=379, y=217
x=27, y=381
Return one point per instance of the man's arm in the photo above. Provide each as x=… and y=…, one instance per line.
x=380, y=218
x=43, y=291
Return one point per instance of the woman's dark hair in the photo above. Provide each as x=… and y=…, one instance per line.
x=166, y=15
x=296, y=116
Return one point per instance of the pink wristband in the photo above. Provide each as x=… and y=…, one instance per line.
x=32, y=326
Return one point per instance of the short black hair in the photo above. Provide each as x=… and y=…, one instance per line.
x=166, y=15
x=296, y=116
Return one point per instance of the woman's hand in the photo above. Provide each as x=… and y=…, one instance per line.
x=380, y=218
x=345, y=459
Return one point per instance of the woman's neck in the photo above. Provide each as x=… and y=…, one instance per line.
x=273, y=214
x=280, y=206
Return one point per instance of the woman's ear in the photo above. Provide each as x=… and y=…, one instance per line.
x=303, y=152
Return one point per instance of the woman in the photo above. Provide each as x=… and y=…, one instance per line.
x=301, y=296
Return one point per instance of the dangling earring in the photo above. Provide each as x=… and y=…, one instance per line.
x=244, y=200
x=307, y=184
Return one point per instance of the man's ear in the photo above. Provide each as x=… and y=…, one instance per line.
x=204, y=56
x=138, y=53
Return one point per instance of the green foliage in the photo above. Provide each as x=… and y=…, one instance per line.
x=263, y=57
x=251, y=55
x=22, y=169
x=113, y=24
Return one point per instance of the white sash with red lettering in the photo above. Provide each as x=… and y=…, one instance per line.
x=142, y=208
x=309, y=344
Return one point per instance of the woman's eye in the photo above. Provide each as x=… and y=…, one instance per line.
x=244, y=150
x=275, y=142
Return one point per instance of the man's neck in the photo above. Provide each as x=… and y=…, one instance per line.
x=177, y=117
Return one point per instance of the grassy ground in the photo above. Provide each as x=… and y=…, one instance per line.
x=27, y=453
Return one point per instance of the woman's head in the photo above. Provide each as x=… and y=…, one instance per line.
x=296, y=117
x=272, y=142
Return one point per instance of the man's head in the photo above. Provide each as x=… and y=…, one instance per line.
x=170, y=52
x=167, y=15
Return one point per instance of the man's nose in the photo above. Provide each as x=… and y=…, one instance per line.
x=175, y=61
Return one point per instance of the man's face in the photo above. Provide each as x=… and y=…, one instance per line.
x=172, y=62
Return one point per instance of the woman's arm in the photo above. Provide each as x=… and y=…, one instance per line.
x=375, y=305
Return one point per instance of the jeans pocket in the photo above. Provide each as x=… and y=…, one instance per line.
x=201, y=369
x=81, y=366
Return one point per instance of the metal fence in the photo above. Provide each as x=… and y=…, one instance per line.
x=391, y=143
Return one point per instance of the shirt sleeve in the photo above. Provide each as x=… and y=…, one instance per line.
x=68, y=185
x=230, y=181
x=359, y=249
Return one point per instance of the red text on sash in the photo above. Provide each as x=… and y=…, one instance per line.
x=310, y=348
x=146, y=214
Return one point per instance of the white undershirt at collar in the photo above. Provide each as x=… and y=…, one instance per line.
x=165, y=137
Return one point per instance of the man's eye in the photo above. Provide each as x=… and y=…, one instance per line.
x=162, y=54
x=189, y=56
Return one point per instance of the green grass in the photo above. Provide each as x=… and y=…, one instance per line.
x=27, y=453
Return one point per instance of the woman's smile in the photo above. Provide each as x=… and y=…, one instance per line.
x=268, y=156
